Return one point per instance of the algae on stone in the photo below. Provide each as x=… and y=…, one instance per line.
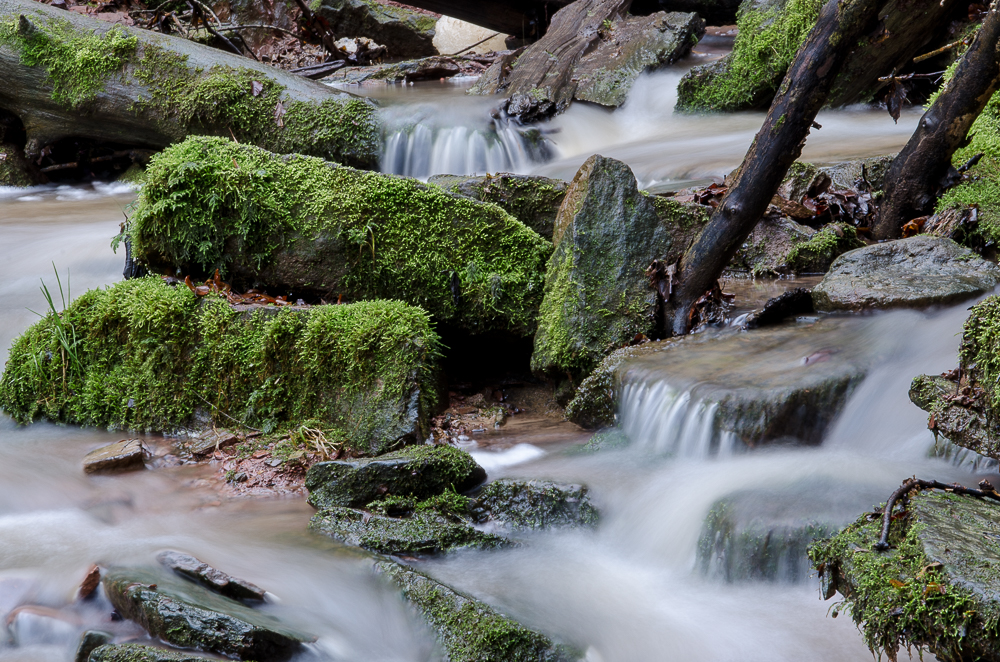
x=140, y=653
x=317, y=228
x=535, y=504
x=143, y=355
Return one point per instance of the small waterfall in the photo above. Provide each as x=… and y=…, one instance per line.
x=667, y=421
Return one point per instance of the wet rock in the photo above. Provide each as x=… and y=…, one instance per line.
x=90, y=640
x=140, y=653
x=597, y=295
x=797, y=301
x=780, y=246
x=124, y=455
x=334, y=231
x=914, y=272
x=420, y=532
x=937, y=585
x=535, y=504
x=846, y=175
x=191, y=568
x=405, y=32
x=715, y=12
x=212, y=440
x=419, y=471
x=431, y=68
x=533, y=200
x=468, y=629
x=188, y=616
x=15, y=170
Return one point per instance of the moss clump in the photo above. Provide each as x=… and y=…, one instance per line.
x=816, y=254
x=78, y=64
x=311, y=226
x=143, y=355
x=140, y=653
x=768, y=38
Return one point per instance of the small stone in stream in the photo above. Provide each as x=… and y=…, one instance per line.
x=212, y=441
x=90, y=583
x=535, y=504
x=793, y=302
x=419, y=471
x=187, y=615
x=90, y=640
x=191, y=568
x=33, y=624
x=124, y=455
x=140, y=653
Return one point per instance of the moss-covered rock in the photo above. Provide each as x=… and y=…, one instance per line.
x=189, y=616
x=535, y=504
x=532, y=200
x=14, y=168
x=597, y=295
x=326, y=230
x=406, y=33
x=418, y=471
x=780, y=246
x=935, y=588
x=468, y=629
x=140, y=653
x=143, y=355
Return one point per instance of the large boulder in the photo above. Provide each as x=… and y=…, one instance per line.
x=597, y=295
x=406, y=33
x=418, y=471
x=470, y=630
x=914, y=272
x=935, y=588
x=323, y=230
x=144, y=355
x=189, y=616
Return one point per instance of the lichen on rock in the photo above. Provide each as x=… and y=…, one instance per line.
x=535, y=504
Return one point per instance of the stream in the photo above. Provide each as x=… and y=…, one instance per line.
x=628, y=591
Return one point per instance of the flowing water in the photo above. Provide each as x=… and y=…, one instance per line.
x=625, y=592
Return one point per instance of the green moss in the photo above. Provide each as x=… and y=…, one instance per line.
x=765, y=46
x=78, y=64
x=210, y=203
x=817, y=253
x=151, y=357
x=140, y=653
x=980, y=349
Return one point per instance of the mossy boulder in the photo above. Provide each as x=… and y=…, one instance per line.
x=315, y=228
x=188, y=616
x=533, y=200
x=597, y=295
x=140, y=653
x=914, y=272
x=406, y=33
x=936, y=588
x=14, y=168
x=418, y=471
x=535, y=504
x=780, y=246
x=470, y=630
x=144, y=355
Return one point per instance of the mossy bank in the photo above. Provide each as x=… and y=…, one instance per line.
x=147, y=356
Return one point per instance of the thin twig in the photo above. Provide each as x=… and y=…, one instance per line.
x=986, y=491
x=196, y=8
x=939, y=51
x=469, y=48
x=235, y=28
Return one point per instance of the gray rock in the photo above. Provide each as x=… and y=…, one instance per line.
x=536, y=504
x=191, y=568
x=90, y=640
x=797, y=301
x=844, y=175
x=405, y=33
x=418, y=471
x=124, y=455
x=187, y=615
x=213, y=440
x=140, y=653
x=914, y=272
x=468, y=629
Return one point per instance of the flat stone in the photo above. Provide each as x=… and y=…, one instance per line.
x=140, y=653
x=187, y=615
x=191, y=568
x=536, y=504
x=124, y=455
x=213, y=440
x=915, y=272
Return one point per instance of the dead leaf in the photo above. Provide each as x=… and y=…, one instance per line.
x=894, y=98
x=256, y=87
x=279, y=114
x=896, y=583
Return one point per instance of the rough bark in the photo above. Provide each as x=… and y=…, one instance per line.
x=70, y=76
x=777, y=145
x=923, y=169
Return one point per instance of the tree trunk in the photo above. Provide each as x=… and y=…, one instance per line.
x=70, y=76
x=778, y=144
x=923, y=169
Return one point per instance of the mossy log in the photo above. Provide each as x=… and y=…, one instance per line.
x=923, y=168
x=70, y=76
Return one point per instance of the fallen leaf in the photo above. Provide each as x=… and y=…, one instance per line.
x=279, y=114
x=894, y=98
x=896, y=583
x=256, y=87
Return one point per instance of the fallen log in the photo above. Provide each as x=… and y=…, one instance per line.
x=777, y=145
x=70, y=76
x=923, y=169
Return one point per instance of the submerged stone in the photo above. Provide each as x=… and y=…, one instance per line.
x=150, y=356
x=533, y=200
x=418, y=471
x=914, y=272
x=90, y=640
x=124, y=455
x=140, y=653
x=191, y=568
x=936, y=588
x=535, y=504
x=405, y=32
x=470, y=630
x=319, y=229
x=188, y=616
